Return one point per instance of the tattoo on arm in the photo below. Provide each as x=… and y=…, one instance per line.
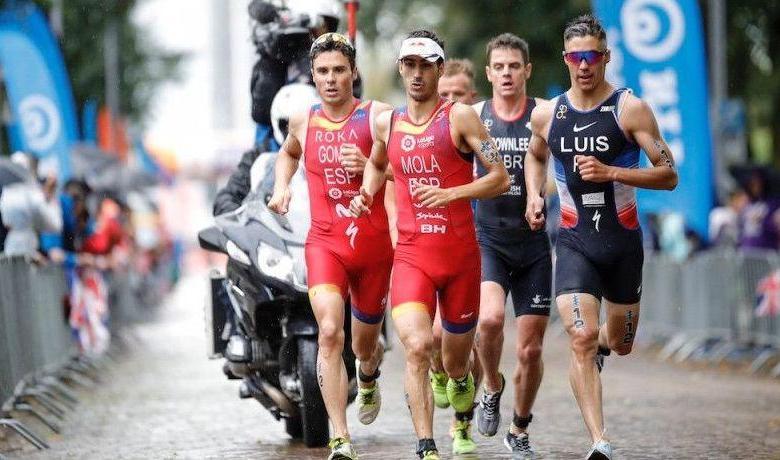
x=489, y=152
x=664, y=154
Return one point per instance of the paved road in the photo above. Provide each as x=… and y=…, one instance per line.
x=164, y=400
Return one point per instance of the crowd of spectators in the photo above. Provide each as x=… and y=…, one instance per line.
x=95, y=235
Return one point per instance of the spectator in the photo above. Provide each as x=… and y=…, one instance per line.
x=759, y=221
x=724, y=220
x=29, y=209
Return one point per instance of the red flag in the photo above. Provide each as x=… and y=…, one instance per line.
x=768, y=290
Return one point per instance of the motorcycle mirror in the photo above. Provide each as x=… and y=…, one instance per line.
x=212, y=239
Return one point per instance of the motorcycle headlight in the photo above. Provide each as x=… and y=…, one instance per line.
x=299, y=266
x=237, y=254
x=276, y=263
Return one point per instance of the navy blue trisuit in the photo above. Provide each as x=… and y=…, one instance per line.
x=599, y=248
x=513, y=255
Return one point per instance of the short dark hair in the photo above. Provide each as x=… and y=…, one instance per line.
x=333, y=42
x=511, y=41
x=459, y=66
x=585, y=26
x=422, y=33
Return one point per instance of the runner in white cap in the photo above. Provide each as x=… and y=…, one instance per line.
x=429, y=147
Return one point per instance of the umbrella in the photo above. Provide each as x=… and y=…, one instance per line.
x=11, y=173
x=770, y=176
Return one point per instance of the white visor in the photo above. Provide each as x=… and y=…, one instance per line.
x=423, y=47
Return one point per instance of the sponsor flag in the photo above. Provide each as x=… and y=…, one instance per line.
x=657, y=49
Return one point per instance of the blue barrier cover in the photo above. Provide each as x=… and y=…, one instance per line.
x=39, y=92
x=658, y=51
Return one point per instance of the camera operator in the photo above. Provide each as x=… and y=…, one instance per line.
x=282, y=38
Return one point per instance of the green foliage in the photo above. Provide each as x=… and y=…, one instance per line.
x=754, y=70
x=467, y=26
x=143, y=66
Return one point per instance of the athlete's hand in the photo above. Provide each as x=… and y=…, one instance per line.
x=433, y=197
x=534, y=212
x=592, y=170
x=361, y=203
x=280, y=201
x=352, y=158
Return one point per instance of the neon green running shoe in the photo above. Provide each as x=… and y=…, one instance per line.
x=431, y=455
x=341, y=449
x=369, y=402
x=439, y=386
x=460, y=393
x=462, y=443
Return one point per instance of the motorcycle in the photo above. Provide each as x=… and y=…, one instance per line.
x=259, y=318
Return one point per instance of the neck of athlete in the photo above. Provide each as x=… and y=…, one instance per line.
x=420, y=111
x=589, y=99
x=510, y=106
x=339, y=110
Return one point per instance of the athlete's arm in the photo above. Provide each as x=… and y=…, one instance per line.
x=287, y=163
x=374, y=175
x=353, y=159
x=639, y=123
x=535, y=165
x=471, y=135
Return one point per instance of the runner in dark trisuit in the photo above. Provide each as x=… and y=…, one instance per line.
x=344, y=255
x=595, y=132
x=429, y=145
x=515, y=258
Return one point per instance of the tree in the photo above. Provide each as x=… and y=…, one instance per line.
x=467, y=26
x=143, y=66
x=754, y=71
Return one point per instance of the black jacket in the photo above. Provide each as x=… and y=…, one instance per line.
x=238, y=186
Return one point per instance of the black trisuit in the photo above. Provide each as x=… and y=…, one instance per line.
x=599, y=248
x=513, y=255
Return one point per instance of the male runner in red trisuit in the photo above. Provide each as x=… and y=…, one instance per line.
x=429, y=146
x=343, y=254
x=457, y=85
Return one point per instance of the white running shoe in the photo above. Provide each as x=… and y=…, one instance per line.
x=601, y=450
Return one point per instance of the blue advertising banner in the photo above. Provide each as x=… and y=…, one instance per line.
x=39, y=92
x=658, y=51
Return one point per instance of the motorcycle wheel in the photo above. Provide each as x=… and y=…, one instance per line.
x=294, y=427
x=314, y=416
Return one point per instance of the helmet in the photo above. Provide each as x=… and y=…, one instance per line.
x=292, y=98
x=321, y=12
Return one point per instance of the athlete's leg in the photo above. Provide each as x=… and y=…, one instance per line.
x=328, y=306
x=368, y=350
x=619, y=331
x=436, y=365
x=530, y=286
x=492, y=305
x=328, y=287
x=580, y=315
x=530, y=368
x=456, y=351
x=476, y=363
x=369, y=297
x=492, y=308
x=413, y=324
x=622, y=293
x=493, y=291
x=459, y=306
x=414, y=296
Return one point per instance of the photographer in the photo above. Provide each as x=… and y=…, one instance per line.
x=282, y=38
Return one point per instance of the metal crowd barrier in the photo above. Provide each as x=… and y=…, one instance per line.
x=704, y=308
x=37, y=353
